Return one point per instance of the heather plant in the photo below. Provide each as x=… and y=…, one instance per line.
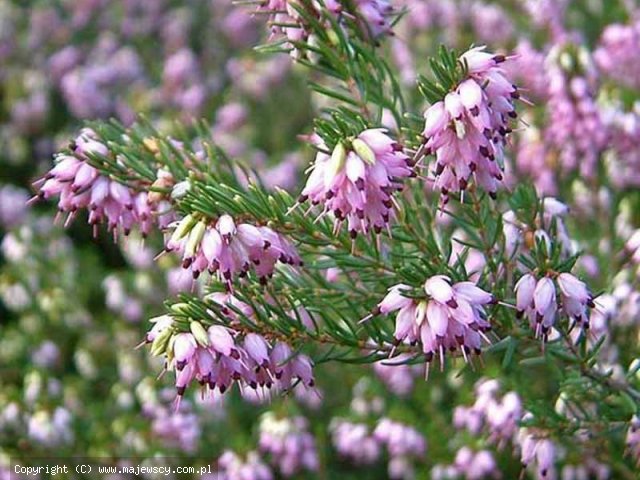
x=331, y=239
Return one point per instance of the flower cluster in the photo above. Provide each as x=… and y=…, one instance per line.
x=527, y=67
x=498, y=415
x=289, y=443
x=228, y=249
x=538, y=450
x=356, y=182
x=218, y=357
x=80, y=185
x=467, y=129
x=476, y=465
x=591, y=468
x=452, y=316
x=354, y=442
x=397, y=375
x=632, y=440
x=231, y=467
x=373, y=17
x=535, y=160
x=575, y=127
x=13, y=206
x=176, y=429
x=537, y=299
x=90, y=90
x=403, y=443
x=51, y=428
x=623, y=157
x=617, y=53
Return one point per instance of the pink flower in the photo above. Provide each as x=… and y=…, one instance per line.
x=356, y=182
x=538, y=300
x=219, y=356
x=401, y=440
x=397, y=375
x=291, y=446
x=632, y=440
x=536, y=449
x=451, y=317
x=617, y=53
x=467, y=129
x=499, y=416
x=371, y=17
x=575, y=130
x=80, y=185
x=232, y=466
x=575, y=297
x=230, y=250
x=475, y=465
x=354, y=442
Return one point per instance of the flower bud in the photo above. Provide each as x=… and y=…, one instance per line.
x=195, y=237
x=421, y=313
x=199, y=333
x=364, y=151
x=183, y=228
x=335, y=164
x=160, y=342
x=151, y=144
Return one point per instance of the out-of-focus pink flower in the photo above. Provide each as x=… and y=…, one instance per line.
x=290, y=444
x=354, y=442
x=537, y=450
x=617, y=54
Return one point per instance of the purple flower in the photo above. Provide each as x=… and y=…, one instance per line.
x=623, y=157
x=538, y=300
x=401, y=440
x=176, y=429
x=632, y=441
x=498, y=416
x=354, y=442
x=536, y=449
x=617, y=54
x=288, y=441
x=476, y=465
x=491, y=23
x=229, y=250
x=356, y=182
x=219, y=356
x=528, y=67
x=397, y=376
x=452, y=316
x=80, y=185
x=232, y=467
x=575, y=127
x=372, y=17
x=467, y=129
x=13, y=206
